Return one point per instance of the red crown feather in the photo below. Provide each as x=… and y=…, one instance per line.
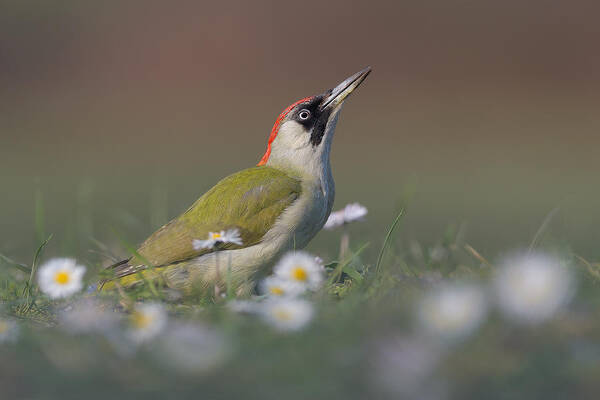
x=275, y=129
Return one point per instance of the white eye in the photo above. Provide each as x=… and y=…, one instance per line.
x=304, y=114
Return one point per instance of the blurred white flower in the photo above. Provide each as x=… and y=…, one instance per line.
x=192, y=348
x=452, y=312
x=531, y=288
x=352, y=212
x=275, y=286
x=300, y=270
x=403, y=365
x=146, y=321
x=61, y=277
x=438, y=254
x=287, y=314
x=87, y=316
x=243, y=306
x=9, y=330
x=217, y=238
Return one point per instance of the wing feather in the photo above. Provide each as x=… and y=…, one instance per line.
x=249, y=200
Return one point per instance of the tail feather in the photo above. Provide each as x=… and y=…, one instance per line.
x=115, y=265
x=118, y=269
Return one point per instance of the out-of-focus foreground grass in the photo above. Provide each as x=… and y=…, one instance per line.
x=412, y=321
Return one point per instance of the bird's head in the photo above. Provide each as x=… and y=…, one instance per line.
x=301, y=136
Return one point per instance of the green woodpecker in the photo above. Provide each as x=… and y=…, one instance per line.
x=276, y=206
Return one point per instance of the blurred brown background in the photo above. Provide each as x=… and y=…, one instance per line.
x=120, y=114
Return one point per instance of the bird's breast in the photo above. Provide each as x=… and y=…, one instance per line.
x=312, y=209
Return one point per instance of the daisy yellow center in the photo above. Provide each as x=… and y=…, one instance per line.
x=3, y=327
x=62, y=278
x=216, y=235
x=276, y=290
x=140, y=320
x=283, y=315
x=299, y=274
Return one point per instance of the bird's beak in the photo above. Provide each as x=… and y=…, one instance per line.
x=338, y=94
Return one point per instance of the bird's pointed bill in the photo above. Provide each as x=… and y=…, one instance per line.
x=339, y=93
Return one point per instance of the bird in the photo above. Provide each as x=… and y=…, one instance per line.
x=274, y=207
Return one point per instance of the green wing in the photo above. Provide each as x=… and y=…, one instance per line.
x=249, y=200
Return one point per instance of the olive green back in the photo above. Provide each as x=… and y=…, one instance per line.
x=249, y=200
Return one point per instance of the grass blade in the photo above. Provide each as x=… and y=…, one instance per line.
x=39, y=216
x=543, y=227
x=15, y=264
x=387, y=240
x=475, y=254
x=228, y=280
x=29, y=285
x=594, y=272
x=337, y=273
x=36, y=258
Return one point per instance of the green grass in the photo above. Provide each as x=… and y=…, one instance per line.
x=363, y=315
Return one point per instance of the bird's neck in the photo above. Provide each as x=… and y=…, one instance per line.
x=313, y=167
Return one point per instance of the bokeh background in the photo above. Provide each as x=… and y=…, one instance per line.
x=118, y=115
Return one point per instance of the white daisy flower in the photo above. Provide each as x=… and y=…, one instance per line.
x=192, y=348
x=531, y=288
x=300, y=269
x=87, y=316
x=146, y=321
x=9, y=330
x=452, y=312
x=217, y=238
x=61, y=277
x=275, y=286
x=287, y=314
x=352, y=212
